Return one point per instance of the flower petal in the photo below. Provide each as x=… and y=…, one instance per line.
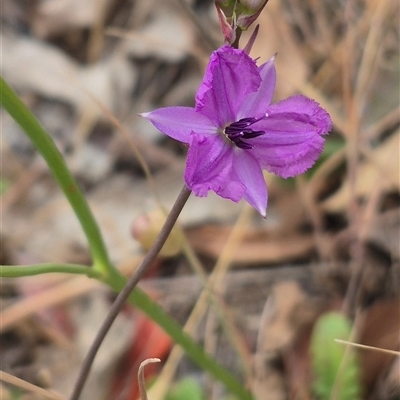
x=292, y=142
x=256, y=104
x=290, y=159
x=180, y=122
x=248, y=171
x=301, y=106
x=209, y=167
x=230, y=75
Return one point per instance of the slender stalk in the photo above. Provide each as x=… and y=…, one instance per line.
x=238, y=33
x=46, y=147
x=13, y=271
x=126, y=291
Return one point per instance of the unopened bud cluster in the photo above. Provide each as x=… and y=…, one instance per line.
x=237, y=15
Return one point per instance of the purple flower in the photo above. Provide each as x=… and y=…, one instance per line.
x=234, y=132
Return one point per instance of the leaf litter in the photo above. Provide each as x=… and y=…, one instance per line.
x=338, y=226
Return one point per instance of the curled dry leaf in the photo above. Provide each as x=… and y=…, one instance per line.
x=56, y=16
x=43, y=69
x=142, y=383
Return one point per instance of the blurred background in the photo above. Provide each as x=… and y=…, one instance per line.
x=330, y=240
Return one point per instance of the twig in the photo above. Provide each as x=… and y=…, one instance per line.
x=20, y=383
x=125, y=292
x=364, y=346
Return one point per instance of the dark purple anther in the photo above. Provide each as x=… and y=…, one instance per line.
x=240, y=131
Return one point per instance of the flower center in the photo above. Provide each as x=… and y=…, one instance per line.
x=240, y=132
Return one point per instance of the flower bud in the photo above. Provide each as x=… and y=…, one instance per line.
x=233, y=14
x=248, y=11
x=228, y=28
x=252, y=6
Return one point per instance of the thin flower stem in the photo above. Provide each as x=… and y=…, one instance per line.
x=126, y=291
x=54, y=159
x=17, y=271
x=238, y=33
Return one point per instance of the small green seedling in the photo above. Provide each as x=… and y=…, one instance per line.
x=335, y=367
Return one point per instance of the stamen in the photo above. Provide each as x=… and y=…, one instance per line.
x=239, y=132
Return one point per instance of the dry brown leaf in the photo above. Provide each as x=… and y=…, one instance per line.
x=275, y=37
x=381, y=168
x=388, y=386
x=50, y=297
x=268, y=381
x=55, y=16
x=384, y=231
x=282, y=332
x=258, y=246
x=279, y=332
x=35, y=66
x=43, y=69
x=381, y=327
x=167, y=36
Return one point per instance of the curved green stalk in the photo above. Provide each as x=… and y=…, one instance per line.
x=18, y=271
x=46, y=147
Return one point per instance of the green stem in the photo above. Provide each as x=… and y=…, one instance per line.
x=14, y=271
x=46, y=147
